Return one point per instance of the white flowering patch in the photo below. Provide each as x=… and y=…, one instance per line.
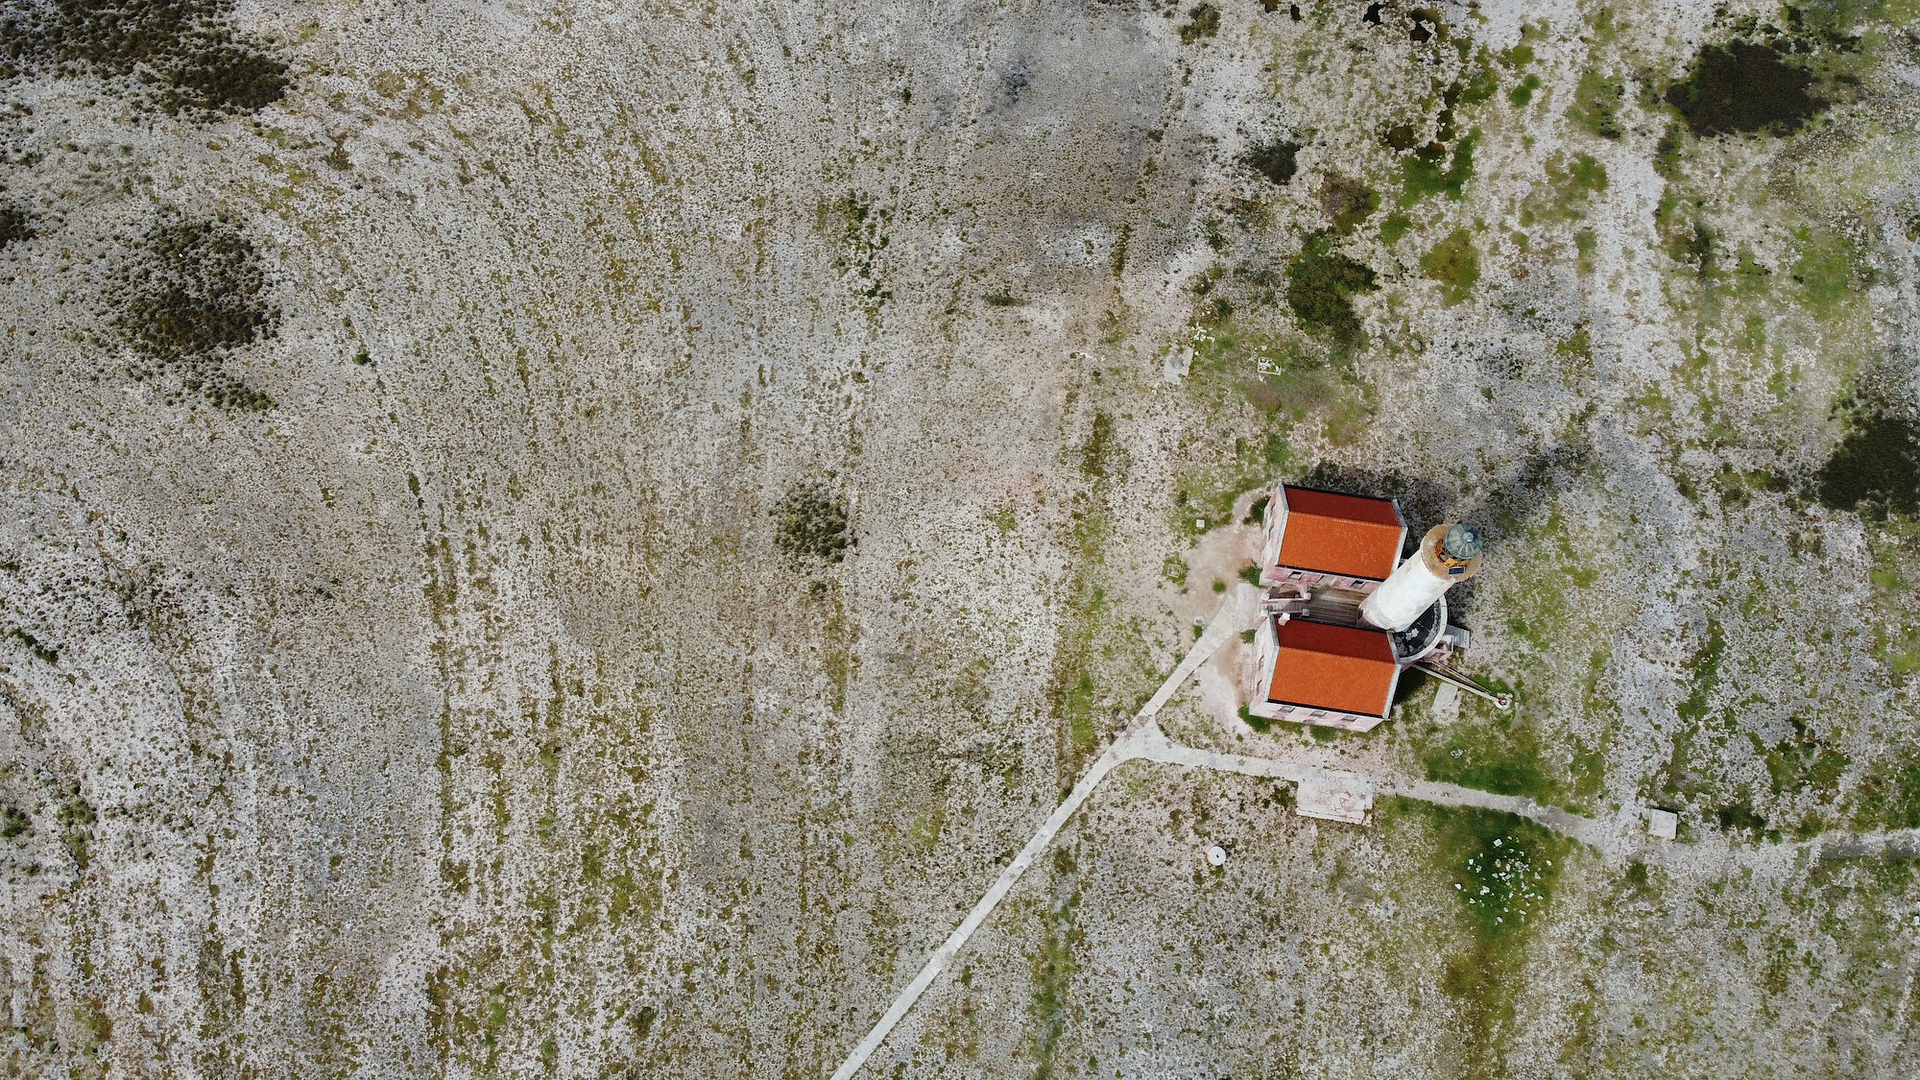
x=1506, y=882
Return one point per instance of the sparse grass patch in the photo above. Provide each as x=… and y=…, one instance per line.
x=1889, y=794
x=1508, y=756
x=1503, y=869
x=1596, y=105
x=1826, y=271
x=1571, y=182
x=1347, y=202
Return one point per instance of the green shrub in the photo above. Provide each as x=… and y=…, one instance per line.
x=1203, y=22
x=183, y=52
x=190, y=295
x=1321, y=284
x=811, y=526
x=1742, y=88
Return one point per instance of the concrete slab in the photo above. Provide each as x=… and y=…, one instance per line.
x=1333, y=796
x=1663, y=824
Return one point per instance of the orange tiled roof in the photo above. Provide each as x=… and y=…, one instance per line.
x=1341, y=534
x=1333, y=667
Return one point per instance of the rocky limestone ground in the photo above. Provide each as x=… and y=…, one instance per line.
x=575, y=539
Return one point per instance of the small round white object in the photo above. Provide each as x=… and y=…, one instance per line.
x=1217, y=855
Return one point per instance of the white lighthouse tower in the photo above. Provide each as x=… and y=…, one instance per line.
x=1448, y=553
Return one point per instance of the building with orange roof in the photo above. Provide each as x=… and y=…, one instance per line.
x=1323, y=673
x=1328, y=538
x=1344, y=615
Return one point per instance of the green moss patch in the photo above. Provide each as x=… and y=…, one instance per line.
x=1455, y=264
x=1430, y=171
x=1741, y=88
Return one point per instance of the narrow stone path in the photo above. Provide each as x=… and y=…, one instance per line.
x=1143, y=740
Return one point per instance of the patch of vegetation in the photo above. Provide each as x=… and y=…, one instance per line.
x=1596, y=105
x=1053, y=969
x=76, y=819
x=1275, y=160
x=1676, y=779
x=1876, y=467
x=1801, y=760
x=1003, y=298
x=190, y=296
x=1321, y=285
x=1208, y=495
x=1522, y=93
x=184, y=53
x=1889, y=795
x=1504, y=870
x=1573, y=182
x=1071, y=693
x=1174, y=569
x=1429, y=170
x=1825, y=271
x=13, y=822
x=812, y=526
x=16, y=225
x=1394, y=227
x=1741, y=88
x=1202, y=22
x=1508, y=756
x=1455, y=264
x=1257, y=511
x=1347, y=202
x=863, y=233
x=1576, y=352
